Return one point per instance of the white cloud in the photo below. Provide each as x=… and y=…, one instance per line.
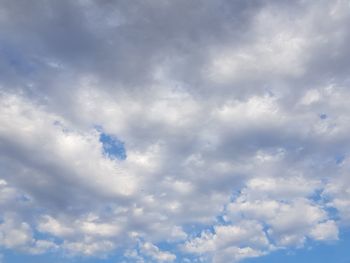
x=52, y=226
x=288, y=215
x=89, y=247
x=15, y=234
x=230, y=242
x=150, y=250
x=18, y=235
x=325, y=231
x=234, y=118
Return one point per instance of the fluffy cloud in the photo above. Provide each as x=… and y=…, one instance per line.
x=233, y=117
x=159, y=256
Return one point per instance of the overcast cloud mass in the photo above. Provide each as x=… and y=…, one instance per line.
x=173, y=131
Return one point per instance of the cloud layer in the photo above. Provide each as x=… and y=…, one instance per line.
x=173, y=131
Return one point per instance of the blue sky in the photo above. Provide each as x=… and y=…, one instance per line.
x=174, y=131
x=112, y=147
x=322, y=253
x=335, y=252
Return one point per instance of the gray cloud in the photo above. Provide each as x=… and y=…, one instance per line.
x=219, y=105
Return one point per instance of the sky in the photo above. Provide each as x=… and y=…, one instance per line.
x=174, y=131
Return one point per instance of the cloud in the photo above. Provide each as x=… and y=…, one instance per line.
x=160, y=256
x=18, y=235
x=216, y=130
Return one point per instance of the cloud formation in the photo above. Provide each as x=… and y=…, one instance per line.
x=173, y=131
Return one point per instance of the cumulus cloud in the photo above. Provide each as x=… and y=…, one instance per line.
x=156, y=254
x=173, y=130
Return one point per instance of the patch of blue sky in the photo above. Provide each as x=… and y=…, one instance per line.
x=319, y=197
x=44, y=236
x=318, y=252
x=174, y=248
x=195, y=230
x=10, y=256
x=13, y=257
x=112, y=146
x=339, y=158
x=186, y=258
